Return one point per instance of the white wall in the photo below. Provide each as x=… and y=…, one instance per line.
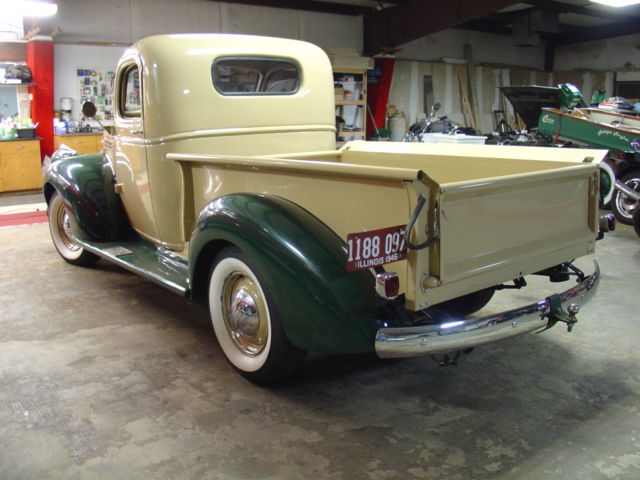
x=8, y=98
x=486, y=48
x=68, y=58
x=11, y=23
x=407, y=89
x=610, y=54
x=125, y=21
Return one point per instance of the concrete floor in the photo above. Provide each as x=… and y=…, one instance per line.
x=105, y=375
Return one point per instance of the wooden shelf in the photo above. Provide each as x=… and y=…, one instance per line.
x=348, y=133
x=350, y=102
x=355, y=109
x=356, y=71
x=17, y=84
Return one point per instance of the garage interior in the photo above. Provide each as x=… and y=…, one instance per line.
x=105, y=375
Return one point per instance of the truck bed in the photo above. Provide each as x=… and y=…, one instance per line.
x=500, y=212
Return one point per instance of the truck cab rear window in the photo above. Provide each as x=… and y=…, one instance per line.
x=255, y=76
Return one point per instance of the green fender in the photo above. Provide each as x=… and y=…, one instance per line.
x=303, y=262
x=86, y=184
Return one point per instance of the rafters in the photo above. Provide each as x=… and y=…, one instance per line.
x=391, y=23
x=413, y=19
x=596, y=12
x=309, y=5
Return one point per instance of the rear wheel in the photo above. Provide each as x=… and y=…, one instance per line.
x=623, y=206
x=60, y=228
x=246, y=321
x=467, y=304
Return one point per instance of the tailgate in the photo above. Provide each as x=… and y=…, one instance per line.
x=498, y=229
x=490, y=214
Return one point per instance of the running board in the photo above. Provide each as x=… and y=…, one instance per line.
x=146, y=259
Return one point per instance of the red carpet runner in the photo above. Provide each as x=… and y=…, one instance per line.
x=25, y=218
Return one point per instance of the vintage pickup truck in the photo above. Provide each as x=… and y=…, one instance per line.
x=222, y=181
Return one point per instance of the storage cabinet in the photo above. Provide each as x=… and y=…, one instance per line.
x=20, y=167
x=350, y=86
x=81, y=142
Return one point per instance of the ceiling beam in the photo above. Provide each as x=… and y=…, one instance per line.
x=308, y=5
x=487, y=26
x=608, y=14
x=413, y=19
x=590, y=34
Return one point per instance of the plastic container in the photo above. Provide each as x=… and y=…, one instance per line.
x=26, y=133
x=398, y=128
x=459, y=138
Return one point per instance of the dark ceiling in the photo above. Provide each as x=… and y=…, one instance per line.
x=391, y=23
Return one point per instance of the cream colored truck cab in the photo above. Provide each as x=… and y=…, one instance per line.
x=222, y=181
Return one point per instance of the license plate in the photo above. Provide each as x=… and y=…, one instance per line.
x=375, y=248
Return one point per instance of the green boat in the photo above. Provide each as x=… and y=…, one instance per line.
x=560, y=115
x=591, y=127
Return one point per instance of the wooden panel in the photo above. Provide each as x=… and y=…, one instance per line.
x=24, y=147
x=20, y=167
x=80, y=143
x=13, y=51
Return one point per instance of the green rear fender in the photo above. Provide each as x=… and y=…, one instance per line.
x=86, y=184
x=303, y=262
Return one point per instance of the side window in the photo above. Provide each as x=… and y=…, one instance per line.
x=255, y=76
x=130, y=104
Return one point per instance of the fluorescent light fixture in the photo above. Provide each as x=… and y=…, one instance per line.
x=617, y=3
x=33, y=8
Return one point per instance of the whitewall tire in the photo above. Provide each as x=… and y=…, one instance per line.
x=60, y=228
x=246, y=322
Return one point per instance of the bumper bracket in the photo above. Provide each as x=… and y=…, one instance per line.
x=465, y=333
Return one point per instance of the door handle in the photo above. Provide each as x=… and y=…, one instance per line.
x=137, y=132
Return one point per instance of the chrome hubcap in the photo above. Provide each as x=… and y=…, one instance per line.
x=244, y=311
x=64, y=228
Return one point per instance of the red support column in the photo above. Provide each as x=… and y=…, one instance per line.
x=40, y=61
x=378, y=95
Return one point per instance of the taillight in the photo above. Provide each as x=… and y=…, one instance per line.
x=607, y=222
x=387, y=285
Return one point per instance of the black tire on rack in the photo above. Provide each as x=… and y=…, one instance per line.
x=623, y=206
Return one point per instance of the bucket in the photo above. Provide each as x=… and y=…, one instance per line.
x=398, y=127
x=66, y=103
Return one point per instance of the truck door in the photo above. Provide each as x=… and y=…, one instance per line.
x=130, y=149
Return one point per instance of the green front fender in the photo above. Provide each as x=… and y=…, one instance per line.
x=303, y=262
x=87, y=186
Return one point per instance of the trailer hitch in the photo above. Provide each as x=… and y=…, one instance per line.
x=451, y=358
x=557, y=314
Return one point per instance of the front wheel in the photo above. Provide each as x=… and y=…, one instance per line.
x=623, y=206
x=60, y=228
x=246, y=321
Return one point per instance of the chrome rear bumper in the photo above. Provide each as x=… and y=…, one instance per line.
x=454, y=335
